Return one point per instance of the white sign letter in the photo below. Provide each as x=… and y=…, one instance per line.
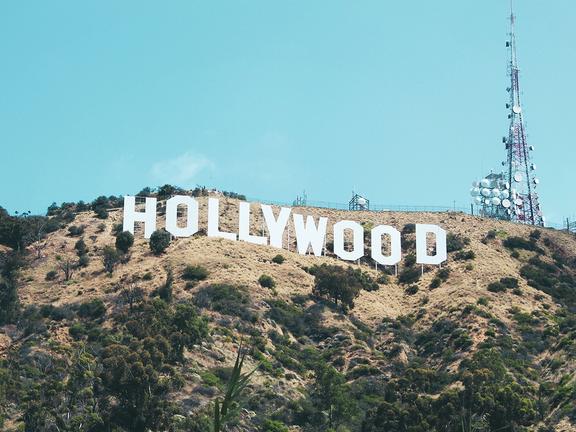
x=358, y=240
x=275, y=226
x=131, y=215
x=395, y=245
x=191, y=227
x=244, y=226
x=308, y=234
x=422, y=256
x=213, y=221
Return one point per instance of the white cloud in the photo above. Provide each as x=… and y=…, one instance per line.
x=181, y=170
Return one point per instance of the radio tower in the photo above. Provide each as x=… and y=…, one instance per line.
x=511, y=194
x=524, y=204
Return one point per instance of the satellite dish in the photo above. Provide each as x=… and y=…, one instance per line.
x=518, y=202
x=516, y=109
x=531, y=148
x=487, y=201
x=362, y=201
x=478, y=200
x=475, y=184
x=506, y=203
x=496, y=192
x=495, y=201
x=533, y=167
x=485, y=192
x=485, y=182
x=504, y=194
x=475, y=191
x=518, y=177
x=536, y=181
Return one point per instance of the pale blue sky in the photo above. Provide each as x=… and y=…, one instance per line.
x=268, y=98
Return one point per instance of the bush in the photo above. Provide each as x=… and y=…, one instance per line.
x=456, y=242
x=75, y=231
x=435, y=283
x=443, y=273
x=496, y=287
x=341, y=284
x=226, y=299
x=409, y=275
x=194, y=273
x=274, y=426
x=521, y=243
x=165, y=291
x=83, y=260
x=92, y=309
x=410, y=260
x=101, y=213
x=482, y=301
x=266, y=281
x=509, y=282
x=80, y=247
x=110, y=258
x=411, y=290
x=51, y=275
x=278, y=259
x=464, y=255
x=383, y=279
x=159, y=241
x=124, y=241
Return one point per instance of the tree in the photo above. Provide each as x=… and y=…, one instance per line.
x=110, y=258
x=339, y=284
x=124, y=241
x=132, y=295
x=159, y=241
x=165, y=291
x=66, y=265
x=330, y=394
x=9, y=301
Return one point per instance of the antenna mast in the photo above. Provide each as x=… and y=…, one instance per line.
x=520, y=176
x=511, y=194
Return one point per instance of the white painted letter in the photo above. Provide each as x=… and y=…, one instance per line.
x=191, y=227
x=275, y=226
x=244, y=226
x=308, y=234
x=395, y=245
x=131, y=215
x=213, y=221
x=358, y=240
x=422, y=256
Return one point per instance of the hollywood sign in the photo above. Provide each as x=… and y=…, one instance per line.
x=309, y=233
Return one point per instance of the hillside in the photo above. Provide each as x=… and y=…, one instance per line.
x=484, y=343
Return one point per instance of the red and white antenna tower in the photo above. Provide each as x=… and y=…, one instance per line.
x=520, y=174
x=511, y=194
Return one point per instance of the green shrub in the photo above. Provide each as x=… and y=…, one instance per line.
x=266, y=281
x=110, y=258
x=509, y=282
x=80, y=247
x=226, y=299
x=464, y=255
x=77, y=330
x=51, y=275
x=274, y=426
x=124, y=241
x=278, y=259
x=383, y=278
x=443, y=273
x=411, y=290
x=194, y=273
x=75, y=231
x=93, y=309
x=83, y=260
x=101, y=213
x=341, y=284
x=482, y=301
x=456, y=242
x=496, y=287
x=521, y=243
x=409, y=275
x=409, y=228
x=410, y=260
x=159, y=241
x=435, y=283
